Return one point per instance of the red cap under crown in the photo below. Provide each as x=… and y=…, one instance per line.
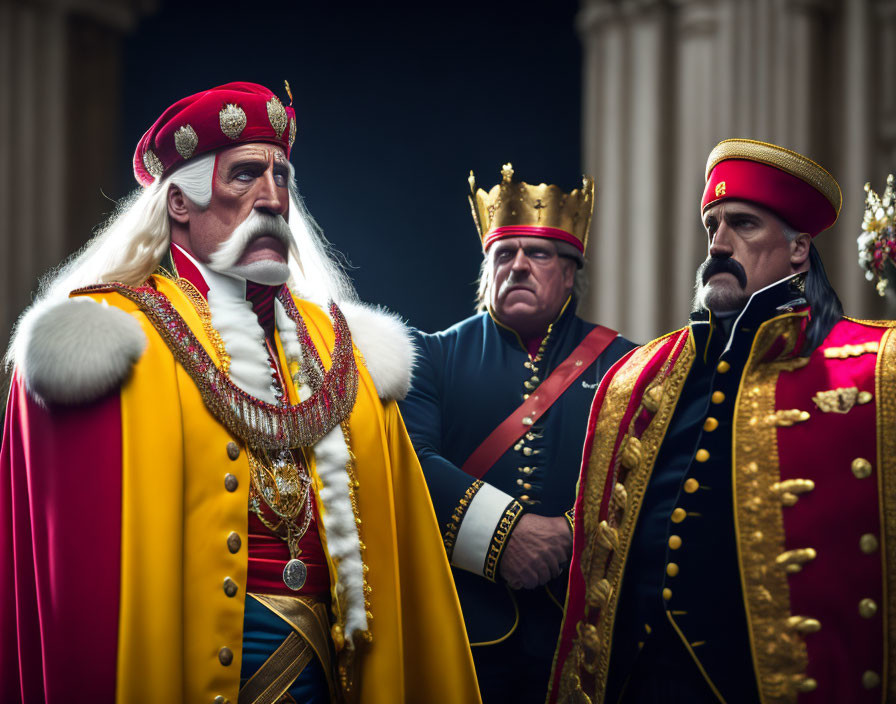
x=234, y=113
x=792, y=186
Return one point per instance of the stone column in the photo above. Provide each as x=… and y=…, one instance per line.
x=680, y=75
x=605, y=81
x=59, y=115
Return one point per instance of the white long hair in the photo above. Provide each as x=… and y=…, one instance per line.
x=129, y=247
x=131, y=244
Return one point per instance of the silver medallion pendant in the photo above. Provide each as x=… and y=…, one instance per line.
x=294, y=574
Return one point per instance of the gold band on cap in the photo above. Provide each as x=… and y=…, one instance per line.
x=788, y=161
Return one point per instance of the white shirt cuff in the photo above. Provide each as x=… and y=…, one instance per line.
x=478, y=527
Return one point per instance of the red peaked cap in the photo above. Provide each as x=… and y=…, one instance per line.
x=792, y=186
x=234, y=113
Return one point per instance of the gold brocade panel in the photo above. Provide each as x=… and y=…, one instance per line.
x=629, y=466
x=779, y=653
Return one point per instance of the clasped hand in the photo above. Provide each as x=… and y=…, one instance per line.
x=536, y=551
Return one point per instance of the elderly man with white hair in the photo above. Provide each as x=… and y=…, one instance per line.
x=207, y=490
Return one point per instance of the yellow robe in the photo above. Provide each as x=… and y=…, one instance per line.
x=177, y=515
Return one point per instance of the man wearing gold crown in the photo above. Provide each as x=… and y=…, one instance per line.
x=736, y=515
x=207, y=491
x=497, y=414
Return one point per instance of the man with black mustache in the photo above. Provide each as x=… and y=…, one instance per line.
x=737, y=488
x=497, y=414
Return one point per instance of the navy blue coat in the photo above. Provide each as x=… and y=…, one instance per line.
x=467, y=380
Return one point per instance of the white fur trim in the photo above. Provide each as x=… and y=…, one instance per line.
x=386, y=345
x=243, y=338
x=343, y=544
x=76, y=350
x=289, y=338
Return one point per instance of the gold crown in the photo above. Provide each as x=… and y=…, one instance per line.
x=512, y=203
x=877, y=243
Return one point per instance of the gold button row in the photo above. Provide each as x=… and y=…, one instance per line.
x=867, y=608
x=870, y=679
x=702, y=455
x=710, y=424
x=861, y=468
x=717, y=397
x=868, y=544
x=234, y=542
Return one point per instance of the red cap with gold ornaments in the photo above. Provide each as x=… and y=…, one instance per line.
x=235, y=113
x=791, y=185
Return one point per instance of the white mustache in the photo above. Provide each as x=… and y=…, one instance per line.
x=256, y=225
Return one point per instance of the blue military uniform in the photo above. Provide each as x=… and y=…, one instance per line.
x=467, y=380
x=682, y=570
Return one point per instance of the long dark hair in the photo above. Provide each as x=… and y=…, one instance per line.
x=823, y=301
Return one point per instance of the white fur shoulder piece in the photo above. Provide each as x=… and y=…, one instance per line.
x=386, y=345
x=76, y=350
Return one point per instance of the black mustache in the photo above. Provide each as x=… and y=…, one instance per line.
x=722, y=265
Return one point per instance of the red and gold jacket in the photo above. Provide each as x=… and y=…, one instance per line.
x=813, y=475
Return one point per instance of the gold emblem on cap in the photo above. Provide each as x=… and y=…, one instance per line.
x=277, y=116
x=185, y=141
x=784, y=159
x=153, y=164
x=292, y=131
x=720, y=189
x=233, y=120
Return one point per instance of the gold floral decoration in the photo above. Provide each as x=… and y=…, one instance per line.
x=277, y=116
x=153, y=164
x=233, y=120
x=185, y=141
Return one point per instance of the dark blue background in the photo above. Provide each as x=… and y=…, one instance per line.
x=395, y=104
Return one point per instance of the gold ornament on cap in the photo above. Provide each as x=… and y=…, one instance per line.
x=185, y=141
x=877, y=243
x=288, y=91
x=277, y=115
x=516, y=203
x=233, y=120
x=153, y=164
x=292, y=131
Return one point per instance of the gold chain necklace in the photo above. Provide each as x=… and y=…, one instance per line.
x=275, y=478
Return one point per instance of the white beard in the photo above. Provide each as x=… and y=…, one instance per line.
x=266, y=271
